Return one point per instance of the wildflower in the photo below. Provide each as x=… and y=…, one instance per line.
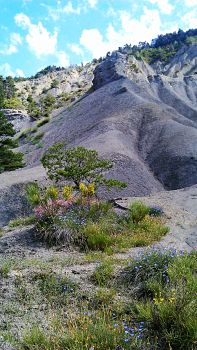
x=51, y=193
x=91, y=189
x=83, y=189
x=39, y=211
x=67, y=192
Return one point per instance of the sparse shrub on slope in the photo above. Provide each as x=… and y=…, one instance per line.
x=78, y=165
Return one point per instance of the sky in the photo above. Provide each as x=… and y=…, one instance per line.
x=37, y=33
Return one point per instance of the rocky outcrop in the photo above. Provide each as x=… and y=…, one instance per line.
x=13, y=199
x=19, y=118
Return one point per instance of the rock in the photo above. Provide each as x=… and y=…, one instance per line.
x=18, y=118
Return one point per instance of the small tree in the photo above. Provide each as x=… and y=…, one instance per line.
x=55, y=83
x=78, y=165
x=9, y=160
x=47, y=104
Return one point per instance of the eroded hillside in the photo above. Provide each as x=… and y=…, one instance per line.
x=142, y=114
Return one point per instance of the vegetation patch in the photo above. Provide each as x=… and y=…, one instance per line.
x=23, y=221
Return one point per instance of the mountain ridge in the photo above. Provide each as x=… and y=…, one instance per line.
x=144, y=121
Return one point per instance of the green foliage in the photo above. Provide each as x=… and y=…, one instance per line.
x=23, y=221
x=103, y=273
x=13, y=103
x=2, y=93
x=55, y=83
x=96, y=238
x=43, y=121
x=5, y=267
x=36, y=139
x=47, y=104
x=191, y=40
x=138, y=211
x=148, y=268
x=32, y=108
x=172, y=315
x=33, y=194
x=9, y=160
x=53, y=287
x=163, y=54
x=78, y=165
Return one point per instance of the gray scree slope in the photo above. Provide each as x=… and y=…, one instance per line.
x=144, y=119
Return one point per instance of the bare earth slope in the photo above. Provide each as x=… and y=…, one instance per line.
x=146, y=122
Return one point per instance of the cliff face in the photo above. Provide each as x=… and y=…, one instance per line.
x=142, y=116
x=19, y=118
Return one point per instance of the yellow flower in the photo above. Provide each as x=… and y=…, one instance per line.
x=83, y=188
x=52, y=193
x=171, y=300
x=91, y=189
x=67, y=192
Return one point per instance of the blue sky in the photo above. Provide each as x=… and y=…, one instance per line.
x=38, y=33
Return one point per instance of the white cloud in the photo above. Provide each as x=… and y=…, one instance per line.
x=190, y=3
x=15, y=40
x=19, y=72
x=6, y=70
x=92, y=3
x=164, y=5
x=189, y=20
x=131, y=31
x=63, y=59
x=40, y=41
x=70, y=9
x=56, y=12
x=75, y=48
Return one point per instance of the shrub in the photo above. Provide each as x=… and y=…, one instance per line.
x=55, y=83
x=148, y=267
x=43, y=121
x=172, y=316
x=49, y=210
x=36, y=139
x=9, y=160
x=24, y=221
x=78, y=165
x=155, y=211
x=138, y=211
x=103, y=273
x=96, y=238
x=13, y=103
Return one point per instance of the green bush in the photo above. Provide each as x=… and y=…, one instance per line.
x=78, y=165
x=55, y=83
x=9, y=160
x=103, y=273
x=13, y=103
x=24, y=221
x=172, y=316
x=43, y=121
x=149, y=267
x=96, y=238
x=138, y=211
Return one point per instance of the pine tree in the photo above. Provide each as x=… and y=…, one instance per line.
x=9, y=87
x=9, y=160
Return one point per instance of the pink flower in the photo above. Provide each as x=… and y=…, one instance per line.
x=63, y=203
x=39, y=211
